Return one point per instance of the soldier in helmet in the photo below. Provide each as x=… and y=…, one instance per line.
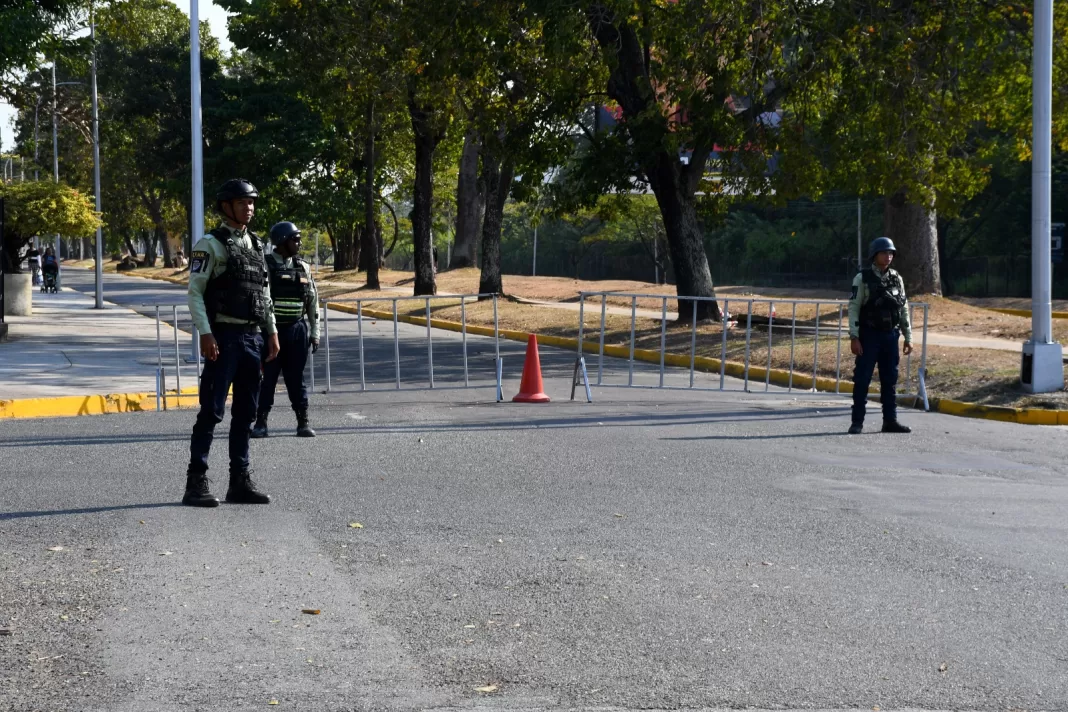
x=878, y=316
x=294, y=296
x=230, y=302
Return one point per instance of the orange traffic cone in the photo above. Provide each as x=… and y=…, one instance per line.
x=530, y=388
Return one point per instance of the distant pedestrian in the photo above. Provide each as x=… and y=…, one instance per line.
x=295, y=299
x=33, y=259
x=878, y=317
x=230, y=302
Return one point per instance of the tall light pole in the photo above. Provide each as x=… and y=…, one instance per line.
x=1042, y=363
x=55, y=145
x=197, y=139
x=196, y=130
x=96, y=174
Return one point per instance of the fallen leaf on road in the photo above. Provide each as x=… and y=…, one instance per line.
x=943, y=667
x=64, y=618
x=165, y=553
x=55, y=548
x=617, y=514
x=272, y=702
x=355, y=525
x=141, y=522
x=469, y=626
x=311, y=611
x=487, y=688
x=276, y=620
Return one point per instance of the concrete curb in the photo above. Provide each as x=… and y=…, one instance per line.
x=1023, y=416
x=778, y=377
x=68, y=406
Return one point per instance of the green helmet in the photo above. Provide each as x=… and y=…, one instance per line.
x=880, y=244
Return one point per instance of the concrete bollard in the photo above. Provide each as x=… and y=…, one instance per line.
x=18, y=294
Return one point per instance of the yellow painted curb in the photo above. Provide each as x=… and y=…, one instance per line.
x=1023, y=416
x=778, y=377
x=67, y=406
x=1024, y=312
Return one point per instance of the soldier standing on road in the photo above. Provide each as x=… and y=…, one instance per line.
x=294, y=296
x=230, y=302
x=878, y=315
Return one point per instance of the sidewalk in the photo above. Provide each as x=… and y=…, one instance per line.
x=68, y=348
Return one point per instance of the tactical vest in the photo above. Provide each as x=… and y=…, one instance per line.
x=238, y=292
x=886, y=296
x=290, y=289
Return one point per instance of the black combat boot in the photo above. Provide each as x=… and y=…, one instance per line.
x=259, y=430
x=303, y=429
x=856, y=428
x=243, y=490
x=892, y=426
x=197, y=493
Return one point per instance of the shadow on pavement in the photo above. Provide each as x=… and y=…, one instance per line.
x=85, y=510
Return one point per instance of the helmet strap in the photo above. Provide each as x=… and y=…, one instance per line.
x=229, y=217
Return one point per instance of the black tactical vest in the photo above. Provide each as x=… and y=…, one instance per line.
x=886, y=296
x=290, y=289
x=238, y=292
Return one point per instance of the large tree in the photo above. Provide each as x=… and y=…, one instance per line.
x=694, y=86
x=914, y=93
x=42, y=208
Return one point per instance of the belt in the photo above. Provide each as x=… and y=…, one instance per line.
x=243, y=328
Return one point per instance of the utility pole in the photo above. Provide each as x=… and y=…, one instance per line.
x=96, y=173
x=197, y=138
x=55, y=145
x=1042, y=360
x=860, y=239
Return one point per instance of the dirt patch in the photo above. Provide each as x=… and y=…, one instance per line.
x=1024, y=303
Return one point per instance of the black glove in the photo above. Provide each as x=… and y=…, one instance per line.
x=315, y=345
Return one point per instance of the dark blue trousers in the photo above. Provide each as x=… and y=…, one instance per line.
x=238, y=365
x=880, y=349
x=292, y=358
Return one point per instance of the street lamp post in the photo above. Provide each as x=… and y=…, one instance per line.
x=1042, y=362
x=196, y=138
x=55, y=146
x=96, y=176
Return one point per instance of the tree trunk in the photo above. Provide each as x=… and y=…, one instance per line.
x=673, y=183
x=346, y=244
x=164, y=245
x=371, y=251
x=469, y=203
x=497, y=178
x=129, y=244
x=150, y=248
x=914, y=230
x=685, y=239
x=426, y=142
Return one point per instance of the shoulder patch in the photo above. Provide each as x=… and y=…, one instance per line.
x=198, y=261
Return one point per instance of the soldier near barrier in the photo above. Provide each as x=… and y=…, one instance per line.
x=878, y=316
x=294, y=297
x=230, y=302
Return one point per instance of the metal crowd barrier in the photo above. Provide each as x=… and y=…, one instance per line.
x=838, y=308
x=358, y=306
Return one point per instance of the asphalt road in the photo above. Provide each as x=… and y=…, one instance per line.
x=652, y=550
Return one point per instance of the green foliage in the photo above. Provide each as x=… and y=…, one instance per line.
x=42, y=208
